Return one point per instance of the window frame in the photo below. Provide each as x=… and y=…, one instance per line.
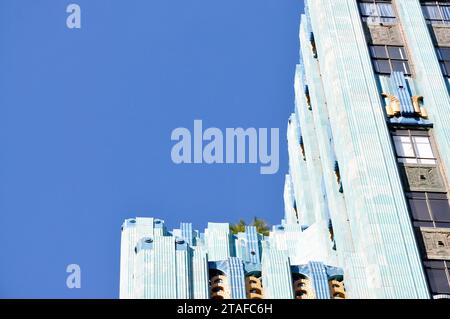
x=438, y=5
x=443, y=62
x=426, y=198
x=379, y=17
x=411, y=134
x=443, y=266
x=389, y=59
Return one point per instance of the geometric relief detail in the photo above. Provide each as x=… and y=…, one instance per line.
x=384, y=35
x=422, y=178
x=219, y=287
x=442, y=35
x=303, y=288
x=337, y=289
x=254, y=287
x=437, y=242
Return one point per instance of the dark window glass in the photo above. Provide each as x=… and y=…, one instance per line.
x=444, y=59
x=397, y=53
x=434, y=264
x=442, y=225
x=401, y=66
x=428, y=207
x=444, y=53
x=440, y=210
x=444, y=69
x=382, y=66
x=379, y=51
x=419, y=209
x=437, y=196
x=423, y=224
x=389, y=58
x=438, y=281
x=416, y=195
x=447, y=66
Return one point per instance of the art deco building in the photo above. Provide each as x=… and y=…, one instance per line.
x=183, y=264
x=366, y=197
x=369, y=143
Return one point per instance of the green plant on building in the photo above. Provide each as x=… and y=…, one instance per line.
x=261, y=226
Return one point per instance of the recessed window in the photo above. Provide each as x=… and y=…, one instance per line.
x=388, y=58
x=397, y=53
x=438, y=273
x=436, y=12
x=444, y=54
x=444, y=60
x=439, y=206
x=377, y=11
x=429, y=207
x=382, y=66
x=379, y=51
x=419, y=207
x=413, y=147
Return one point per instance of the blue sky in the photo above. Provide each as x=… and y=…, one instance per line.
x=86, y=117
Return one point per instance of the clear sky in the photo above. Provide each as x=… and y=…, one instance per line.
x=86, y=118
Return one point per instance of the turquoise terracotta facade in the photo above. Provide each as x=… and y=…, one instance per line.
x=349, y=217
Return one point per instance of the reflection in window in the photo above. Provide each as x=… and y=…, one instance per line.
x=440, y=208
x=438, y=276
x=377, y=11
x=387, y=58
x=436, y=12
x=419, y=208
x=431, y=209
x=413, y=147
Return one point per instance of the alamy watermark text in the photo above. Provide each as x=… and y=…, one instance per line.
x=236, y=145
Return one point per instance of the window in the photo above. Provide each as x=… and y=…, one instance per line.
x=377, y=11
x=438, y=273
x=388, y=58
x=439, y=207
x=429, y=209
x=419, y=208
x=444, y=60
x=436, y=12
x=413, y=147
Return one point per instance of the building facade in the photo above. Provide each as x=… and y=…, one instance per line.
x=182, y=264
x=367, y=194
x=369, y=142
